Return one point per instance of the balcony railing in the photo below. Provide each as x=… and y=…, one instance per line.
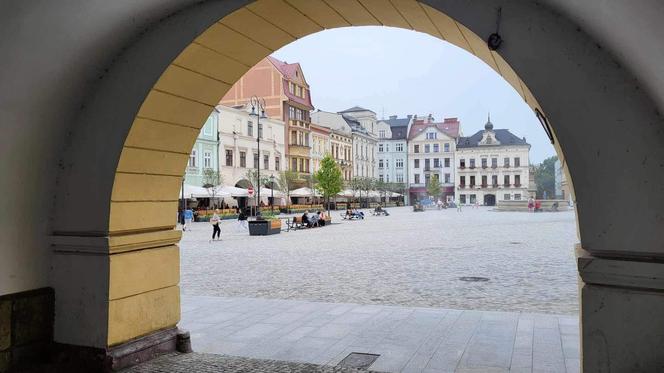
x=517, y=185
x=494, y=166
x=507, y=165
x=506, y=185
x=298, y=123
x=300, y=145
x=472, y=167
x=485, y=185
x=484, y=166
x=461, y=186
x=494, y=185
x=462, y=167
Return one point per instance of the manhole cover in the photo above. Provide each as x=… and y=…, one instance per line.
x=358, y=360
x=474, y=279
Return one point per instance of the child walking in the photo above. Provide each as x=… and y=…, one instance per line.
x=216, y=230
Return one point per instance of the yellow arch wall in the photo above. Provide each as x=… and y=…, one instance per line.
x=144, y=292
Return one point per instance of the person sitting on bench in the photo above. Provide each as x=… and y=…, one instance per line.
x=305, y=218
x=313, y=220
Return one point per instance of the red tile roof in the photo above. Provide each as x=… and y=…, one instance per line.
x=449, y=126
x=288, y=71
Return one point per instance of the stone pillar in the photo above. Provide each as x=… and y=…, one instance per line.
x=117, y=297
x=622, y=314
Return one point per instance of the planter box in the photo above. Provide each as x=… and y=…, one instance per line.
x=264, y=227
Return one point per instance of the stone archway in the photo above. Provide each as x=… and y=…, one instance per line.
x=489, y=200
x=117, y=273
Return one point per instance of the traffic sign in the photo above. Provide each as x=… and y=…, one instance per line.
x=250, y=190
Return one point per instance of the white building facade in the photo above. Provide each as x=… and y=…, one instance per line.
x=492, y=165
x=392, y=150
x=341, y=139
x=431, y=153
x=238, y=133
x=363, y=126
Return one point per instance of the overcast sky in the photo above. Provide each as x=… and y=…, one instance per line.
x=398, y=72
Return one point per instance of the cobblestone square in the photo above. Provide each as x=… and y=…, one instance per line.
x=405, y=259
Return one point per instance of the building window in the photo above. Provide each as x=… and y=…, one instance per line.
x=260, y=130
x=436, y=163
x=462, y=180
x=294, y=164
x=250, y=128
x=462, y=199
x=416, y=163
x=399, y=178
x=447, y=178
x=427, y=179
x=436, y=148
x=506, y=180
x=381, y=134
x=484, y=181
x=399, y=147
x=417, y=178
x=447, y=162
x=387, y=178
x=462, y=163
x=209, y=124
x=256, y=165
x=192, y=158
x=427, y=148
x=243, y=159
x=290, y=87
x=380, y=148
x=380, y=163
x=494, y=180
x=446, y=147
x=291, y=112
x=416, y=148
x=484, y=162
x=517, y=197
x=472, y=162
x=229, y=158
x=431, y=135
x=517, y=163
x=506, y=197
x=517, y=180
x=307, y=163
x=266, y=162
x=387, y=147
x=399, y=163
x=472, y=181
x=380, y=178
x=276, y=163
x=207, y=159
x=506, y=162
x=473, y=199
x=387, y=163
x=494, y=162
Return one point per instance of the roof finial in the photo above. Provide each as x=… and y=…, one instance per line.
x=488, y=126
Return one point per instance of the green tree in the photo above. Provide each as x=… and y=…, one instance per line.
x=355, y=185
x=382, y=187
x=212, y=181
x=367, y=184
x=329, y=181
x=286, y=183
x=434, y=187
x=545, y=178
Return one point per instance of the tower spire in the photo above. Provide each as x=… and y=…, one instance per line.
x=488, y=126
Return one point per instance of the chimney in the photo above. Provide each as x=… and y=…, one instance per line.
x=392, y=117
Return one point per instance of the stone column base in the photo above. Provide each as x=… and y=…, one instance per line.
x=69, y=358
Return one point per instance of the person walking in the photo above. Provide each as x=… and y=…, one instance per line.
x=215, y=220
x=242, y=220
x=458, y=205
x=188, y=218
x=531, y=204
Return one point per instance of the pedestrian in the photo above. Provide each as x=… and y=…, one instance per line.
x=458, y=203
x=188, y=217
x=538, y=205
x=215, y=221
x=242, y=220
x=531, y=205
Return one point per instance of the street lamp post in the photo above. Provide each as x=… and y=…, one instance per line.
x=272, y=193
x=258, y=111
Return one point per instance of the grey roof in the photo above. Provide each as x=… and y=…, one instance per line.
x=399, y=132
x=505, y=137
x=355, y=126
x=354, y=109
x=393, y=122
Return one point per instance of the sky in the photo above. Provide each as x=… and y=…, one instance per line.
x=398, y=72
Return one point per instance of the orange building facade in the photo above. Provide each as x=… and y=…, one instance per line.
x=287, y=97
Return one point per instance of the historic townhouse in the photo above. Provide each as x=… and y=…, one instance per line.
x=320, y=145
x=205, y=153
x=363, y=126
x=239, y=149
x=287, y=98
x=492, y=165
x=341, y=139
x=392, y=153
x=431, y=148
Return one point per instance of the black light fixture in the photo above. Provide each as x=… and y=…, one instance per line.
x=258, y=104
x=495, y=40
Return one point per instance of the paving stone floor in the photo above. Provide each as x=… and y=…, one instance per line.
x=408, y=259
x=408, y=339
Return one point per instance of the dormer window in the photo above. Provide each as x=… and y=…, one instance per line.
x=489, y=140
x=431, y=135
